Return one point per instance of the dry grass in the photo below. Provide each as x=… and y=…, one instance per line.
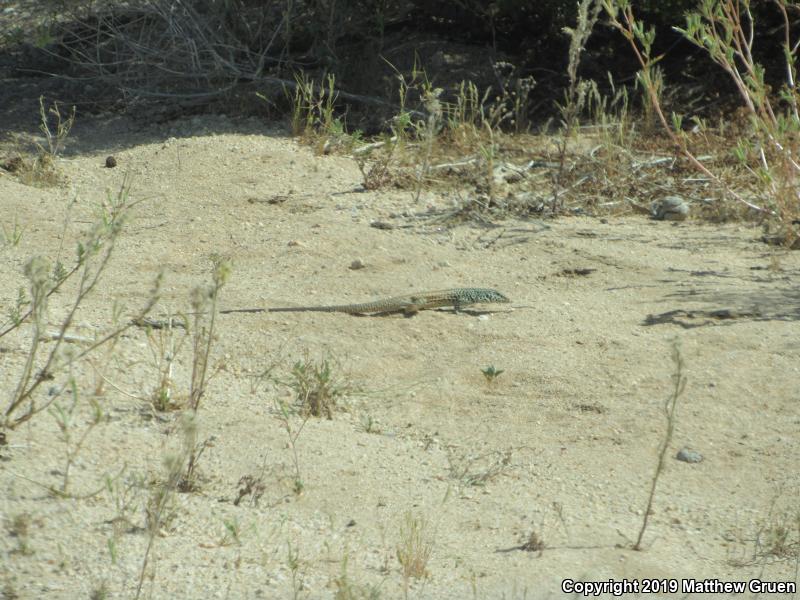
x=415, y=547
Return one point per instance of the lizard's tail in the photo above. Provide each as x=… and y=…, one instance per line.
x=305, y=309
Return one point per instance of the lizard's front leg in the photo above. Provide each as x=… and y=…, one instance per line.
x=409, y=310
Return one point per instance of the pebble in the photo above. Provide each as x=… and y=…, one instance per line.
x=670, y=208
x=689, y=456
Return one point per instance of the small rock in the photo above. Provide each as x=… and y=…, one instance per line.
x=357, y=264
x=670, y=208
x=689, y=456
x=381, y=225
x=111, y=162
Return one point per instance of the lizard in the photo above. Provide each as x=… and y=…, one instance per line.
x=410, y=304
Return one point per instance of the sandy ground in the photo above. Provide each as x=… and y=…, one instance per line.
x=562, y=444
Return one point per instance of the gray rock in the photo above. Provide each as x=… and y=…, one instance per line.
x=670, y=208
x=689, y=456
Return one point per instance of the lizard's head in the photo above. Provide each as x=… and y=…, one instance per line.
x=489, y=295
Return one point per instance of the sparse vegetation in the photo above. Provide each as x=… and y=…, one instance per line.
x=779, y=538
x=368, y=423
x=284, y=415
x=317, y=388
x=491, y=373
x=296, y=568
x=12, y=235
x=199, y=452
x=65, y=415
x=161, y=509
x=346, y=589
x=771, y=538
x=101, y=592
x=165, y=344
x=125, y=493
x=313, y=116
x=670, y=406
x=414, y=548
x=477, y=470
x=18, y=527
x=251, y=486
x=577, y=94
x=204, y=302
x=92, y=257
x=57, y=133
x=232, y=533
x=533, y=543
x=724, y=29
x=41, y=170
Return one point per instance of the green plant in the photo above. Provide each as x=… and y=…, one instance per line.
x=165, y=344
x=575, y=97
x=64, y=415
x=472, y=113
x=101, y=592
x=15, y=312
x=779, y=538
x=611, y=113
x=11, y=237
x=376, y=174
x=18, y=527
x=317, y=389
x=302, y=106
x=285, y=417
x=92, y=257
x=489, y=152
x=402, y=124
x=125, y=493
x=428, y=130
x=368, y=423
x=8, y=591
x=232, y=534
x=490, y=373
x=56, y=136
x=42, y=171
x=205, y=307
x=160, y=505
x=724, y=29
x=296, y=568
x=313, y=115
x=348, y=590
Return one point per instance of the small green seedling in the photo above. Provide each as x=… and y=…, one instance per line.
x=491, y=373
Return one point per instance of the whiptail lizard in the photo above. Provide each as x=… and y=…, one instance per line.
x=409, y=304
x=412, y=303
